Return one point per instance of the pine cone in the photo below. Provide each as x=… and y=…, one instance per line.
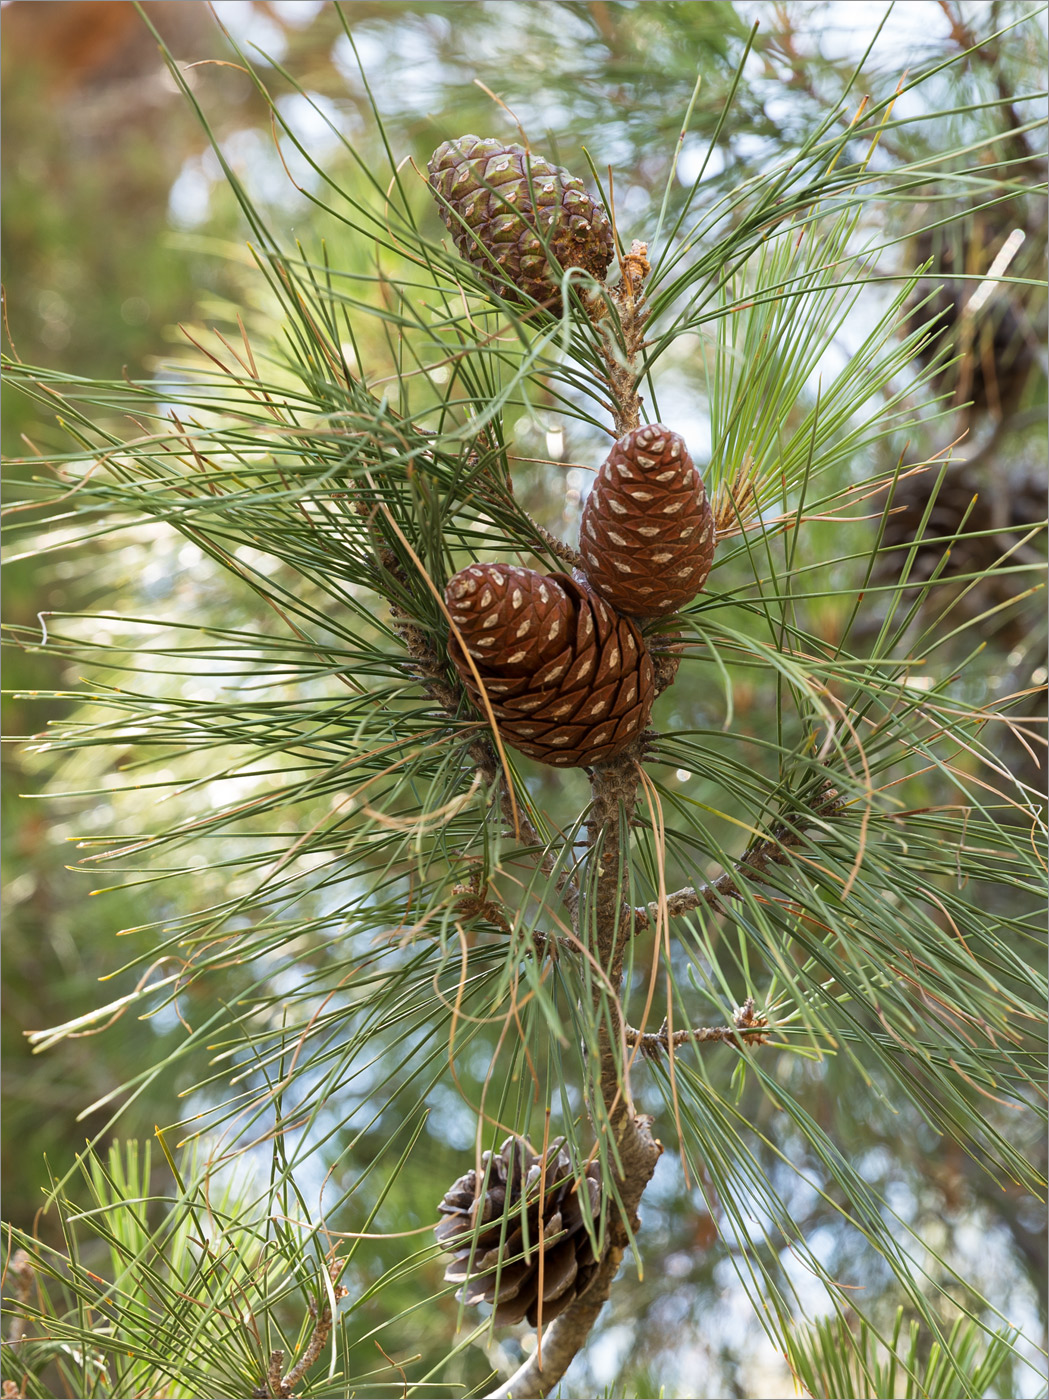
x=972, y=524
x=486, y=184
x=995, y=352
x=516, y=1192
x=647, y=532
x=569, y=682
x=996, y=357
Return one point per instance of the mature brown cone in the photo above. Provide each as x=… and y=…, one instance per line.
x=493, y=203
x=569, y=681
x=647, y=532
x=974, y=526
x=986, y=358
x=996, y=356
x=518, y=1190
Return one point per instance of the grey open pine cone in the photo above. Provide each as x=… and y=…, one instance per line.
x=499, y=1255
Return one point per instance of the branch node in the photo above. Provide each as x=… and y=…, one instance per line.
x=281, y=1387
x=748, y=1029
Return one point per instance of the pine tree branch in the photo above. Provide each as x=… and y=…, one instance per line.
x=564, y=552
x=472, y=903
x=278, y=1386
x=747, y=1029
x=610, y=919
x=21, y=1271
x=786, y=836
x=274, y=1384
x=666, y=660
x=623, y=359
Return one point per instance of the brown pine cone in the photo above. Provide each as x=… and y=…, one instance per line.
x=647, y=533
x=517, y=1193
x=996, y=358
x=974, y=525
x=986, y=359
x=496, y=223
x=569, y=682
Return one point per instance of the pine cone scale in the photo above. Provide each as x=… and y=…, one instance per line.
x=530, y=703
x=554, y=670
x=560, y=1270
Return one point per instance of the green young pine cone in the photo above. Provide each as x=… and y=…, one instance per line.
x=485, y=192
